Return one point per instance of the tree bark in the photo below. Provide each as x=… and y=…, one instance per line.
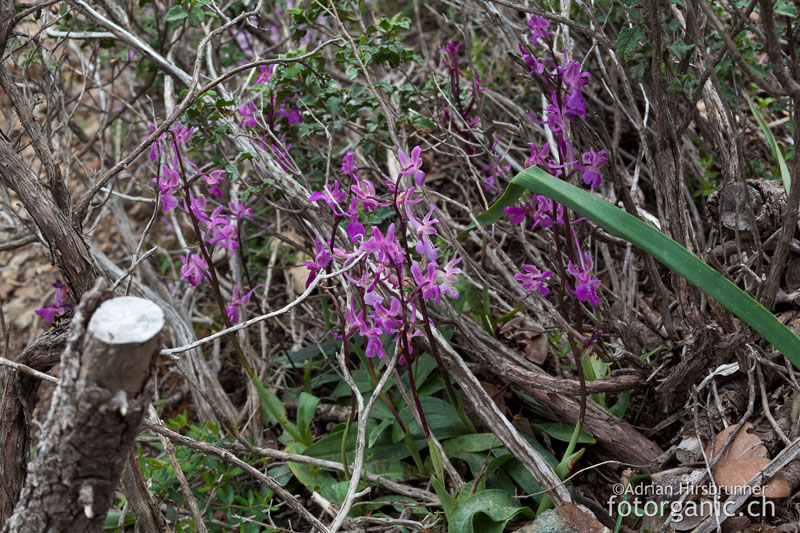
x=20, y=394
x=94, y=416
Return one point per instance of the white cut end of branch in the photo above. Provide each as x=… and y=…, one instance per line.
x=126, y=320
x=122, y=400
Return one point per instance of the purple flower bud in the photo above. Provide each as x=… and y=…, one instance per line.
x=348, y=165
x=321, y=261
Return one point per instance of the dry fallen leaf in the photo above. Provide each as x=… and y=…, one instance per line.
x=744, y=446
x=527, y=337
x=581, y=520
x=744, y=458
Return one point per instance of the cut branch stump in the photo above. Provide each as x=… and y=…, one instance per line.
x=94, y=416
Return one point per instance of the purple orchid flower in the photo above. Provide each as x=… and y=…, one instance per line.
x=539, y=28
x=412, y=165
x=533, y=279
x=194, y=269
x=592, y=162
x=58, y=306
x=239, y=301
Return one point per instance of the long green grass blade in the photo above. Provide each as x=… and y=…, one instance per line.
x=773, y=146
x=672, y=255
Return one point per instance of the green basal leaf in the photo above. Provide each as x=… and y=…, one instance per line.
x=666, y=251
x=273, y=411
x=487, y=511
x=562, y=432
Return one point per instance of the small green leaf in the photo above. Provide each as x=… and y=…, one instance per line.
x=273, y=410
x=782, y=7
x=306, y=406
x=378, y=430
x=627, y=40
x=680, y=48
x=619, y=408
x=449, y=504
x=479, y=442
x=176, y=13
x=436, y=460
x=112, y=520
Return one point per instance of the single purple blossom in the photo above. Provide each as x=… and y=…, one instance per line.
x=265, y=73
x=448, y=278
x=331, y=195
x=248, y=113
x=585, y=286
x=364, y=191
x=238, y=301
x=167, y=184
x=538, y=156
x=321, y=261
x=424, y=230
x=194, y=269
x=383, y=247
x=355, y=229
x=412, y=165
x=221, y=231
x=592, y=162
x=197, y=206
x=182, y=133
x=572, y=76
x=574, y=105
x=426, y=283
x=292, y=115
x=533, y=279
x=240, y=211
x=538, y=27
x=213, y=179
x=58, y=306
x=374, y=347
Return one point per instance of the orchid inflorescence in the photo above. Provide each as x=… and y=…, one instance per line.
x=220, y=225
x=562, y=82
x=386, y=298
